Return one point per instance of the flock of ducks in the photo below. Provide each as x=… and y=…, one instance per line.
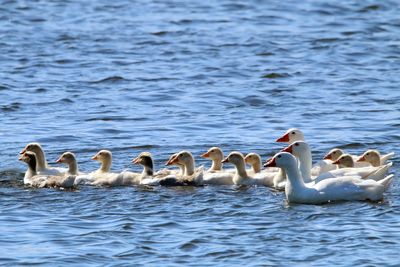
x=338, y=177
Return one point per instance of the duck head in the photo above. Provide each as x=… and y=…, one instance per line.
x=344, y=161
x=291, y=135
x=371, y=156
x=29, y=158
x=145, y=159
x=105, y=158
x=334, y=154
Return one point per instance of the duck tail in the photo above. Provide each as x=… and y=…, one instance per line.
x=386, y=181
x=386, y=157
x=380, y=173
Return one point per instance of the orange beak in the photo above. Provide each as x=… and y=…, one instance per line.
x=205, y=155
x=172, y=161
x=362, y=158
x=270, y=163
x=328, y=156
x=95, y=157
x=283, y=139
x=335, y=162
x=225, y=160
x=59, y=160
x=288, y=149
x=21, y=157
x=22, y=151
x=136, y=160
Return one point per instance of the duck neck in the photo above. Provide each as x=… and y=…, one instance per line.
x=182, y=169
x=216, y=164
x=256, y=166
x=73, y=168
x=241, y=169
x=305, y=164
x=294, y=177
x=31, y=168
x=189, y=167
x=41, y=162
x=105, y=166
x=147, y=170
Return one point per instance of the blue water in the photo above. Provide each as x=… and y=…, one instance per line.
x=162, y=76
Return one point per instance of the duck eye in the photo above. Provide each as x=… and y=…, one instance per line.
x=279, y=156
x=334, y=152
x=293, y=132
x=212, y=150
x=367, y=154
x=296, y=144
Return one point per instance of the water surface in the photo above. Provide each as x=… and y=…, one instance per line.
x=162, y=76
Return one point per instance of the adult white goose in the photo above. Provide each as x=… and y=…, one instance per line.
x=70, y=159
x=103, y=176
x=34, y=179
x=335, y=153
x=292, y=135
x=42, y=167
x=191, y=175
x=374, y=158
x=335, y=189
x=302, y=151
x=241, y=177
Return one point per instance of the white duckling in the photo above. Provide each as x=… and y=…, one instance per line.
x=70, y=159
x=302, y=151
x=103, y=176
x=165, y=172
x=36, y=180
x=216, y=175
x=374, y=158
x=334, y=189
x=254, y=160
x=216, y=155
x=241, y=177
x=42, y=167
x=191, y=175
x=335, y=154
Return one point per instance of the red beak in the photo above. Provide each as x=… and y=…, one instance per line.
x=59, y=160
x=225, y=160
x=270, y=163
x=328, y=156
x=22, y=151
x=283, y=139
x=94, y=157
x=335, y=162
x=288, y=149
x=20, y=158
x=362, y=158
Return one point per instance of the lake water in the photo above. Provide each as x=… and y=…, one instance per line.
x=162, y=76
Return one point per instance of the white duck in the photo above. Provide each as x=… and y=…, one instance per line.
x=334, y=189
x=42, y=167
x=191, y=175
x=302, y=151
x=292, y=135
x=70, y=159
x=374, y=158
x=335, y=153
x=241, y=177
x=103, y=176
x=34, y=179
x=216, y=175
